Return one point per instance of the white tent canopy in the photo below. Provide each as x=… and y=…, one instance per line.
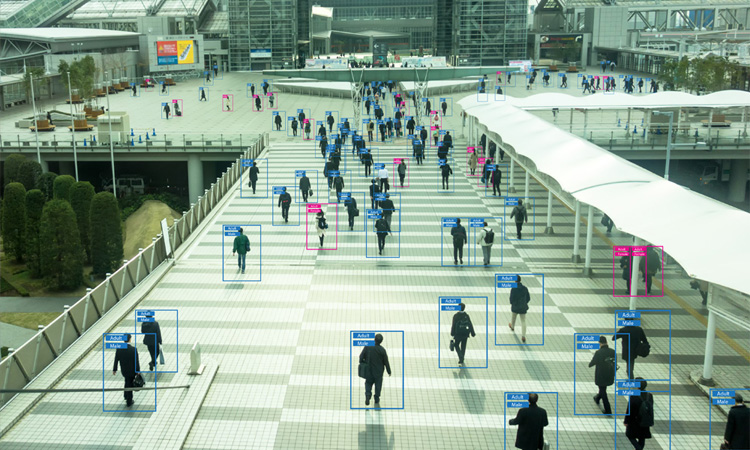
x=618, y=100
x=708, y=238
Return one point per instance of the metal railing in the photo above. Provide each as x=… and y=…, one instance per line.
x=23, y=364
x=621, y=139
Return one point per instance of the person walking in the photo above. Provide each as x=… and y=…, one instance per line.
x=277, y=121
x=444, y=107
x=271, y=99
x=370, y=130
x=129, y=366
x=531, y=422
x=203, y=95
x=330, y=121
x=321, y=225
x=338, y=184
x=446, y=172
x=152, y=339
x=640, y=417
x=634, y=344
x=253, y=176
x=460, y=330
x=376, y=359
x=737, y=430
x=604, y=374
x=295, y=124
x=382, y=229
x=374, y=189
x=257, y=103
x=383, y=176
x=410, y=124
x=305, y=187
x=485, y=239
x=486, y=172
x=307, y=129
x=473, y=162
x=519, y=306
x=240, y=246
x=388, y=209
x=367, y=106
x=167, y=111
x=564, y=81
x=459, y=239
x=608, y=222
x=351, y=210
x=423, y=136
x=496, y=178
x=322, y=130
x=519, y=212
x=367, y=161
x=418, y=147
x=401, y=169
x=649, y=266
x=285, y=201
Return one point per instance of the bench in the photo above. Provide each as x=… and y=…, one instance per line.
x=170, y=82
x=75, y=99
x=81, y=125
x=717, y=121
x=553, y=68
x=118, y=87
x=42, y=125
x=572, y=69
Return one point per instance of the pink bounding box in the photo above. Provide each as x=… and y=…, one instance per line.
x=396, y=162
x=315, y=208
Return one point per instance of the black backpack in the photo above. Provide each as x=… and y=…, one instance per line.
x=463, y=325
x=381, y=225
x=489, y=238
x=646, y=411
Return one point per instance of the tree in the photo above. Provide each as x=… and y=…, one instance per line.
x=62, y=258
x=12, y=166
x=80, y=199
x=34, y=206
x=14, y=220
x=62, y=186
x=29, y=173
x=46, y=184
x=106, y=233
x=36, y=74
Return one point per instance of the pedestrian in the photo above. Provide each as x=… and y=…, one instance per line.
x=257, y=103
x=483, y=143
x=640, y=417
x=473, y=162
x=323, y=145
x=321, y=226
x=486, y=171
x=277, y=121
x=634, y=344
x=295, y=124
x=459, y=239
x=322, y=130
x=545, y=79
x=164, y=87
x=388, y=209
x=608, y=222
x=519, y=212
x=374, y=189
x=423, y=136
x=203, y=94
x=604, y=374
x=444, y=107
x=208, y=77
x=152, y=339
x=301, y=116
x=418, y=148
x=649, y=266
x=383, y=176
x=382, y=129
x=531, y=422
x=271, y=99
x=307, y=129
x=509, y=76
x=370, y=130
x=252, y=90
x=640, y=85
x=397, y=127
x=519, y=306
x=496, y=178
x=135, y=91
x=737, y=431
x=427, y=107
x=130, y=365
x=167, y=111
x=351, y=210
x=285, y=201
x=564, y=81
x=446, y=172
x=328, y=167
x=305, y=187
x=401, y=169
x=367, y=106
x=375, y=359
x=460, y=330
x=485, y=239
x=338, y=184
x=604, y=66
x=253, y=175
x=265, y=85
x=367, y=161
x=389, y=128
x=382, y=229
x=410, y=124
x=612, y=66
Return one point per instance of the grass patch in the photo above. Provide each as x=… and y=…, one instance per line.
x=28, y=320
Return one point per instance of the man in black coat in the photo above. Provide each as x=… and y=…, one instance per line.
x=410, y=124
x=459, y=239
x=604, y=360
x=285, y=201
x=637, y=425
x=330, y=121
x=460, y=330
x=632, y=336
x=423, y=136
x=377, y=361
x=531, y=422
x=129, y=366
x=374, y=189
x=351, y=209
x=253, y=176
x=497, y=178
x=519, y=306
x=737, y=431
x=388, y=208
x=304, y=186
x=152, y=339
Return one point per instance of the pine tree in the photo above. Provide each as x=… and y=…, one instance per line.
x=14, y=220
x=80, y=199
x=61, y=187
x=34, y=206
x=106, y=233
x=62, y=256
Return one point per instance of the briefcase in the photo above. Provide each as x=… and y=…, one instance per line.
x=355, y=212
x=453, y=345
x=138, y=381
x=310, y=193
x=362, y=370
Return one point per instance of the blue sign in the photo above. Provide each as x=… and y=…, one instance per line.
x=449, y=223
x=374, y=214
x=278, y=190
x=511, y=201
x=231, y=230
x=248, y=163
x=628, y=314
x=299, y=173
x=364, y=335
x=628, y=323
x=476, y=222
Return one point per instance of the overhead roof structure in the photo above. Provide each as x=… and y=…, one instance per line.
x=394, y=74
x=640, y=202
x=619, y=100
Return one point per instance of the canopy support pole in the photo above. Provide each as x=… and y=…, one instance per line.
x=526, y=186
x=627, y=124
x=589, y=235
x=585, y=123
x=511, y=186
x=744, y=120
x=549, y=229
x=635, y=262
x=570, y=129
x=706, y=378
x=576, y=233
x=647, y=127
x=356, y=88
x=420, y=87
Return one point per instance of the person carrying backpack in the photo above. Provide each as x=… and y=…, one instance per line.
x=486, y=238
x=519, y=212
x=382, y=229
x=640, y=417
x=604, y=375
x=460, y=330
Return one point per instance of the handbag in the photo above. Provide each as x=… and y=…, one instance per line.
x=310, y=193
x=362, y=370
x=138, y=381
x=643, y=349
x=355, y=212
x=453, y=345
x=161, y=355
x=723, y=446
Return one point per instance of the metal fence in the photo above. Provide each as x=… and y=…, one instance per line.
x=22, y=365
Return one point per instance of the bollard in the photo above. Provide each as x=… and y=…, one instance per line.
x=132, y=142
x=93, y=139
x=635, y=129
x=147, y=138
x=153, y=132
x=84, y=142
x=140, y=139
x=131, y=132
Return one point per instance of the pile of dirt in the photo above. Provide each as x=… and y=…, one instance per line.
x=143, y=225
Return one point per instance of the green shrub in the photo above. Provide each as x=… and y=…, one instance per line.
x=106, y=233
x=80, y=199
x=62, y=256
x=29, y=173
x=34, y=207
x=14, y=220
x=62, y=186
x=131, y=203
x=11, y=167
x=46, y=184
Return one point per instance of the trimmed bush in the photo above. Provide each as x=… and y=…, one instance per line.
x=11, y=167
x=14, y=220
x=106, y=233
x=29, y=173
x=46, y=184
x=62, y=257
x=80, y=199
x=62, y=186
x=34, y=206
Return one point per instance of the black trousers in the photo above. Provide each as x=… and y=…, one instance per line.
x=338, y=195
x=401, y=178
x=378, y=382
x=602, y=395
x=519, y=227
x=128, y=383
x=446, y=183
x=461, y=348
x=285, y=212
x=330, y=182
x=368, y=169
x=381, y=245
x=305, y=192
x=154, y=352
x=252, y=184
x=384, y=186
x=351, y=220
x=496, y=187
x=458, y=250
x=419, y=160
x=631, y=364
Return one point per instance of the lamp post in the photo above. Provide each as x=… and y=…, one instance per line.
x=36, y=124
x=111, y=144
x=670, y=145
x=73, y=127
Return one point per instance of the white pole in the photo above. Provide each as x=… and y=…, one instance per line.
x=526, y=185
x=635, y=261
x=36, y=124
x=511, y=187
x=589, y=234
x=669, y=145
x=549, y=229
x=73, y=126
x=576, y=233
x=111, y=144
x=708, y=358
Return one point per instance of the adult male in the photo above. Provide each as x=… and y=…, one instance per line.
x=285, y=201
x=410, y=124
x=295, y=124
x=531, y=422
x=460, y=330
x=401, y=169
x=519, y=306
x=382, y=229
x=322, y=130
x=374, y=189
x=496, y=178
x=737, y=431
x=640, y=417
x=418, y=148
x=258, y=103
x=152, y=339
x=446, y=172
x=564, y=81
x=423, y=136
x=376, y=359
x=253, y=175
x=388, y=208
x=367, y=161
x=167, y=111
x=383, y=176
x=444, y=107
x=129, y=366
x=330, y=121
x=304, y=186
x=351, y=210
x=277, y=121
x=203, y=95
x=241, y=246
x=519, y=212
x=338, y=184
x=427, y=107
x=632, y=337
x=604, y=374
x=459, y=239
x=485, y=239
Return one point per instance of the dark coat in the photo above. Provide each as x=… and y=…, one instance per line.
x=377, y=361
x=604, y=360
x=519, y=299
x=254, y=172
x=459, y=235
x=351, y=205
x=151, y=328
x=497, y=177
x=456, y=331
x=304, y=184
x=737, y=432
x=446, y=169
x=631, y=336
x=128, y=359
x=633, y=428
x=402, y=169
x=285, y=200
x=531, y=422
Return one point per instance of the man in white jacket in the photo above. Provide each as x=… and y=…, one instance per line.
x=383, y=176
x=486, y=238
